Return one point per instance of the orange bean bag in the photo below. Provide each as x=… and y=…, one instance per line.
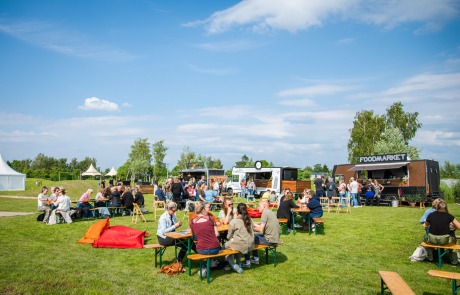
x=95, y=231
x=254, y=213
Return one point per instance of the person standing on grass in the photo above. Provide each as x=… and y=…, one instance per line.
x=204, y=228
x=250, y=188
x=331, y=189
x=268, y=232
x=440, y=223
x=63, y=206
x=177, y=189
x=243, y=188
x=240, y=237
x=342, y=192
x=42, y=206
x=353, y=188
x=319, y=186
x=378, y=189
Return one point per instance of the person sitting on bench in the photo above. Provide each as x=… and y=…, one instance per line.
x=128, y=200
x=284, y=209
x=240, y=237
x=168, y=223
x=84, y=204
x=115, y=199
x=428, y=212
x=204, y=228
x=268, y=232
x=63, y=203
x=316, y=210
x=228, y=212
x=440, y=233
x=139, y=197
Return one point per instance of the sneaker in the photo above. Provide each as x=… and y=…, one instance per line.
x=289, y=230
x=214, y=263
x=455, y=265
x=237, y=268
x=355, y=206
x=297, y=225
x=247, y=264
x=227, y=267
x=255, y=260
x=203, y=272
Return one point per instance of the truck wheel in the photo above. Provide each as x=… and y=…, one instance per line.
x=229, y=192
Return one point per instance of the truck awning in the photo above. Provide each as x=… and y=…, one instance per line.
x=378, y=166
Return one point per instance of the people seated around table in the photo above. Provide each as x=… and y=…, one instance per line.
x=369, y=195
x=54, y=196
x=305, y=198
x=428, y=212
x=207, y=208
x=316, y=210
x=210, y=196
x=228, y=212
x=101, y=198
x=139, y=197
x=285, y=209
x=268, y=232
x=160, y=194
x=240, y=237
x=63, y=203
x=265, y=196
x=200, y=193
x=42, y=204
x=204, y=228
x=440, y=223
x=115, y=199
x=128, y=200
x=168, y=223
x=84, y=204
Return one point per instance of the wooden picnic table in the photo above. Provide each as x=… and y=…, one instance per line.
x=303, y=209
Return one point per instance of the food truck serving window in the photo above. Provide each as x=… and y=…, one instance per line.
x=290, y=174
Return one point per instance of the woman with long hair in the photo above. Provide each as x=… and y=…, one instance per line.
x=440, y=223
x=240, y=237
x=284, y=209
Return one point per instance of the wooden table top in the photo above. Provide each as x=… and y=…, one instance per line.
x=303, y=209
x=185, y=234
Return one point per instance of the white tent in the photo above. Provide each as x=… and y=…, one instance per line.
x=112, y=172
x=11, y=180
x=91, y=171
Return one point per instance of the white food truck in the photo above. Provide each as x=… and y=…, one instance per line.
x=273, y=178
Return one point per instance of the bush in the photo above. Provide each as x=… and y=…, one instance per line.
x=448, y=195
x=456, y=191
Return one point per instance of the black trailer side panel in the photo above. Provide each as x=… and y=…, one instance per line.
x=433, y=177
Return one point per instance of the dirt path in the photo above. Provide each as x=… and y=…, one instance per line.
x=7, y=214
x=18, y=197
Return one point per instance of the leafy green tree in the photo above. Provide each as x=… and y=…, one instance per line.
x=317, y=168
x=305, y=173
x=140, y=166
x=243, y=162
x=406, y=122
x=450, y=170
x=186, y=158
x=325, y=169
x=159, y=153
x=140, y=150
x=367, y=130
x=392, y=141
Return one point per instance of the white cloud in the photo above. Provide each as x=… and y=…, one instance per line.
x=299, y=102
x=96, y=104
x=126, y=105
x=52, y=37
x=314, y=90
x=294, y=15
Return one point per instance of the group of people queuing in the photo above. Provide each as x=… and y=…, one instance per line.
x=353, y=190
x=181, y=192
x=241, y=236
x=113, y=196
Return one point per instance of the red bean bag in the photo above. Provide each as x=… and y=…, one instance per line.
x=128, y=230
x=254, y=213
x=116, y=239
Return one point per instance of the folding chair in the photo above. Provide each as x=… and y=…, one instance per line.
x=136, y=212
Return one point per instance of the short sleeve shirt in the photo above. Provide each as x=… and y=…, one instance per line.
x=222, y=214
x=439, y=223
x=272, y=226
x=42, y=196
x=319, y=184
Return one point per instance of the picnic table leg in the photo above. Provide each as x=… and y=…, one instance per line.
x=440, y=262
x=266, y=255
x=201, y=265
x=293, y=223
x=208, y=270
x=189, y=251
x=455, y=288
x=382, y=288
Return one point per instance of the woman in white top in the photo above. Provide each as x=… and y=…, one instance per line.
x=63, y=206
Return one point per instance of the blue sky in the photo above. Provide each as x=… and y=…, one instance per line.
x=275, y=80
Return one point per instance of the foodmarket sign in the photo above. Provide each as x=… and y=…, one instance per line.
x=383, y=158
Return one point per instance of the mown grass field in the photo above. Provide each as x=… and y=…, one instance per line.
x=37, y=258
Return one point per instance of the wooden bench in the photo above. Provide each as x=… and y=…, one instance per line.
x=394, y=283
x=451, y=246
x=271, y=248
x=319, y=224
x=449, y=276
x=208, y=258
x=113, y=211
x=284, y=221
x=159, y=250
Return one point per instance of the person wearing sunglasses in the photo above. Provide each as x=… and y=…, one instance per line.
x=168, y=223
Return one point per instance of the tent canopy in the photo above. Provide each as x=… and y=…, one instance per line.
x=91, y=171
x=112, y=172
x=10, y=180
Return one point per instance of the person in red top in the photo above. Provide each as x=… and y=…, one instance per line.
x=204, y=228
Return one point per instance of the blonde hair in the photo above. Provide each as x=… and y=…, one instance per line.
x=89, y=191
x=288, y=197
x=442, y=206
x=310, y=192
x=435, y=202
x=199, y=207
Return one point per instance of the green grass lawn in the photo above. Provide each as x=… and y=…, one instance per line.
x=37, y=258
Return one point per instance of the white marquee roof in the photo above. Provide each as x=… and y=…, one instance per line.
x=91, y=171
x=7, y=170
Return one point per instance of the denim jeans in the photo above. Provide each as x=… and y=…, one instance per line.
x=260, y=239
x=243, y=192
x=85, y=208
x=121, y=210
x=353, y=196
x=250, y=193
x=342, y=196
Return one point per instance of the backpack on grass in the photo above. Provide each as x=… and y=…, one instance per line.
x=419, y=254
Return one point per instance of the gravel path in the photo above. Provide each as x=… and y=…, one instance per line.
x=17, y=197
